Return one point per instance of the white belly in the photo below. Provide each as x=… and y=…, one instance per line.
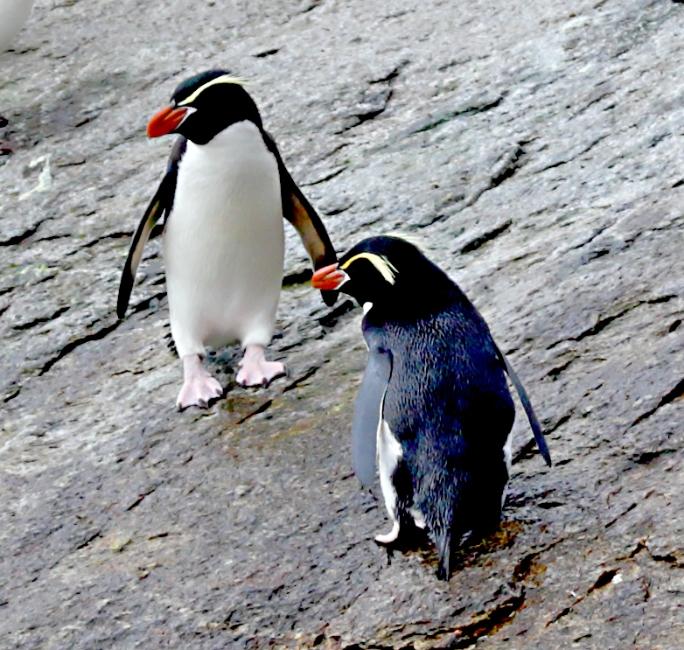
x=13, y=15
x=224, y=243
x=508, y=458
x=389, y=455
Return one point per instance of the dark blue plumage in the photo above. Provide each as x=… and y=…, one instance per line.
x=448, y=404
x=445, y=398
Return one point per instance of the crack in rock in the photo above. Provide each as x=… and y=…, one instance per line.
x=264, y=53
x=676, y=393
x=140, y=498
x=527, y=566
x=375, y=108
x=119, y=234
x=88, y=540
x=299, y=380
x=595, y=233
x=485, y=237
x=23, y=236
x=647, y=457
x=327, y=177
x=603, y=580
x=264, y=406
x=392, y=74
x=376, y=104
x=507, y=165
x=97, y=335
x=433, y=121
x=603, y=322
x=565, y=161
x=310, y=6
x=559, y=369
x=488, y=623
x=627, y=510
x=40, y=319
x=595, y=100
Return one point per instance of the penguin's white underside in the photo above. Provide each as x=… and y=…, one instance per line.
x=389, y=453
x=224, y=242
x=508, y=457
x=388, y=456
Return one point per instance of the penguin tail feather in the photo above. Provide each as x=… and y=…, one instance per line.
x=444, y=550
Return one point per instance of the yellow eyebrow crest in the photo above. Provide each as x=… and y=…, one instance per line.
x=225, y=79
x=383, y=266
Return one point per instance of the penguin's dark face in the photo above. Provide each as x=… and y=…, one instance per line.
x=388, y=272
x=203, y=106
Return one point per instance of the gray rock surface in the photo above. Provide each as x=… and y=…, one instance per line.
x=536, y=148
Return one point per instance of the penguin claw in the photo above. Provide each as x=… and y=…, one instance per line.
x=261, y=374
x=199, y=391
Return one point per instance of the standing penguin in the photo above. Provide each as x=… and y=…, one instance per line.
x=223, y=199
x=434, y=408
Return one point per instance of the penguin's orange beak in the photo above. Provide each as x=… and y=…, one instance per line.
x=165, y=121
x=329, y=278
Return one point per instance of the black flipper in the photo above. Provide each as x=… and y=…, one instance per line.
x=367, y=414
x=150, y=226
x=301, y=214
x=525, y=400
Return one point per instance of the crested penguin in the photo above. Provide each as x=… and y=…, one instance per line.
x=221, y=205
x=13, y=15
x=433, y=411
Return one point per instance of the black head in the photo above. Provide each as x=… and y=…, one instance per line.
x=203, y=106
x=391, y=273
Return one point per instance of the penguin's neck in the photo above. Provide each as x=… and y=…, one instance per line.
x=415, y=302
x=238, y=141
x=233, y=161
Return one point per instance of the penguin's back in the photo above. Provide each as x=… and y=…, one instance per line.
x=449, y=406
x=448, y=382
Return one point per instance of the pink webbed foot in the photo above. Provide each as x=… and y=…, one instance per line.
x=199, y=387
x=255, y=370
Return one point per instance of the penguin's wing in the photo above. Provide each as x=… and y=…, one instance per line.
x=368, y=412
x=150, y=225
x=301, y=214
x=529, y=411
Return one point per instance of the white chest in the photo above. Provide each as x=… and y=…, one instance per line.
x=227, y=200
x=224, y=240
x=231, y=178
